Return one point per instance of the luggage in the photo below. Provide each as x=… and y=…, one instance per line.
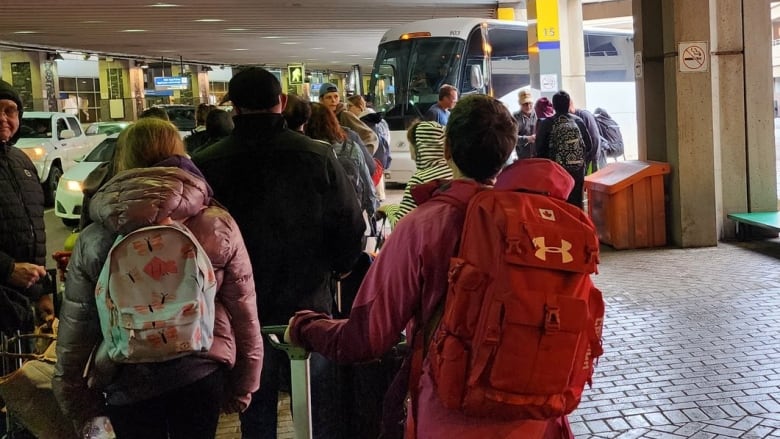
x=300, y=387
x=155, y=296
x=521, y=322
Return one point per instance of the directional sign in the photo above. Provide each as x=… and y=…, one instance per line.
x=171, y=83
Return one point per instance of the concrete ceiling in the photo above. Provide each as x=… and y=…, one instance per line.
x=326, y=34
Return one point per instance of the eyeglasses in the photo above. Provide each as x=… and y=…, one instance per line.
x=10, y=111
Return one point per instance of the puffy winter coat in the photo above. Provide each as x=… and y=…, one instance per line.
x=130, y=200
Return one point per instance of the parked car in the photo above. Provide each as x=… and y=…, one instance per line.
x=106, y=128
x=183, y=116
x=53, y=141
x=70, y=193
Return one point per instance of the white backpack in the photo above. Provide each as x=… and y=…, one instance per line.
x=155, y=296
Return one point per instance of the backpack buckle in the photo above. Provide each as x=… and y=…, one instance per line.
x=552, y=319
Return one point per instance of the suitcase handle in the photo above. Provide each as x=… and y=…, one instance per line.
x=275, y=335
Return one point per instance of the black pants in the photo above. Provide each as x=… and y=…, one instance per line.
x=190, y=412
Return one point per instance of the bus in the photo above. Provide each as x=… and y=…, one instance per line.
x=413, y=60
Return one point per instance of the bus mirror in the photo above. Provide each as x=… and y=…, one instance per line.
x=477, y=81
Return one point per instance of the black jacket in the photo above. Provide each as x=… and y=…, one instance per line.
x=22, y=235
x=296, y=209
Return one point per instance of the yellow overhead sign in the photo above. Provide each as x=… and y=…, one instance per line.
x=547, y=21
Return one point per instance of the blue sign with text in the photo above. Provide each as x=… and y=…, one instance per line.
x=171, y=83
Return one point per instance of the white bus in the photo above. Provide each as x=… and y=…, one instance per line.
x=415, y=59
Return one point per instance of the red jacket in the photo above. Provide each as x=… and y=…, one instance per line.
x=409, y=278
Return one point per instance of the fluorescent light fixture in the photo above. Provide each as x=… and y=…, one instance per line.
x=236, y=29
x=93, y=21
x=26, y=32
x=272, y=37
x=240, y=49
x=208, y=20
x=289, y=42
x=163, y=5
x=133, y=30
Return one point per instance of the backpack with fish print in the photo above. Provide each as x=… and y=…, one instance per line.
x=155, y=296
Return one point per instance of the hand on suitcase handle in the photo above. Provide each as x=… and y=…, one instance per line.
x=275, y=334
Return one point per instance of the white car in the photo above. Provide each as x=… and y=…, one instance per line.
x=70, y=194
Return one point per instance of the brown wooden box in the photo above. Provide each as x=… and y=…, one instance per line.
x=626, y=203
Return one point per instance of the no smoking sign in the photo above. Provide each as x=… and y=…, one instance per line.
x=694, y=56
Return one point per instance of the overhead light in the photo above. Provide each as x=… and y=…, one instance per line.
x=240, y=49
x=26, y=32
x=163, y=5
x=289, y=42
x=272, y=37
x=208, y=20
x=54, y=56
x=133, y=30
x=236, y=29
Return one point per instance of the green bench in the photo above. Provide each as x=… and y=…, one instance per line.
x=747, y=222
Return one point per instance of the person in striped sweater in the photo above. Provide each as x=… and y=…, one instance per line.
x=426, y=140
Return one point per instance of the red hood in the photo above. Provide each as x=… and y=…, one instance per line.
x=459, y=191
x=541, y=176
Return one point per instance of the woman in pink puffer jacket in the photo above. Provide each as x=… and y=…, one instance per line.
x=181, y=397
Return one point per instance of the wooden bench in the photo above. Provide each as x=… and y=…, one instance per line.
x=769, y=222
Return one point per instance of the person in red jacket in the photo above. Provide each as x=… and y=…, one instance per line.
x=408, y=279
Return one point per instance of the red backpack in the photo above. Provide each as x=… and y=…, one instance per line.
x=521, y=322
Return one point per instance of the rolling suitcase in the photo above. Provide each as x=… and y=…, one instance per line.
x=300, y=377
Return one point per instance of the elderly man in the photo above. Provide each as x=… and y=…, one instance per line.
x=526, y=125
x=22, y=235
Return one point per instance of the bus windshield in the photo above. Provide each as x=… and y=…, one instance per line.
x=407, y=76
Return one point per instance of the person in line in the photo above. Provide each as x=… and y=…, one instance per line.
x=296, y=113
x=357, y=106
x=302, y=224
x=180, y=398
x=526, y=125
x=22, y=231
x=324, y=126
x=408, y=279
x=426, y=141
x=219, y=124
x=331, y=98
x=543, y=109
x=440, y=111
x=157, y=112
x=547, y=136
x=592, y=131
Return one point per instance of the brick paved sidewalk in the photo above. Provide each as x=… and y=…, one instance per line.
x=692, y=341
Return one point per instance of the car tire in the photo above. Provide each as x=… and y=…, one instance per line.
x=50, y=185
x=70, y=223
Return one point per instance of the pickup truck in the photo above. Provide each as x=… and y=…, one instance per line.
x=53, y=141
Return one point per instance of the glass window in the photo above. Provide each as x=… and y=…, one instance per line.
x=61, y=126
x=74, y=125
x=103, y=152
x=475, y=56
x=509, y=70
x=35, y=128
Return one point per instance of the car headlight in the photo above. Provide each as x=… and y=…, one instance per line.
x=73, y=185
x=35, y=154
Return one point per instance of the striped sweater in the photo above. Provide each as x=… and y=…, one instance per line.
x=431, y=165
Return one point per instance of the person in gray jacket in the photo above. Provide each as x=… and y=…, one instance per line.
x=180, y=398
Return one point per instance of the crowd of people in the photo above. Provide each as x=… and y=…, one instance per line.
x=272, y=200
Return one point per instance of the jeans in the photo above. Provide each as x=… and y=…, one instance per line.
x=190, y=412
x=258, y=421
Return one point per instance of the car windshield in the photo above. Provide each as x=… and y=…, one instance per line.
x=35, y=128
x=106, y=128
x=103, y=152
x=182, y=117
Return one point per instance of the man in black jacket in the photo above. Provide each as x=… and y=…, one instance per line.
x=301, y=223
x=22, y=235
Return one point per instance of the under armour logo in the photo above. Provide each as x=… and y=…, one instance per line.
x=547, y=214
x=542, y=250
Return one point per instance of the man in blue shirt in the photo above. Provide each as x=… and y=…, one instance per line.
x=440, y=111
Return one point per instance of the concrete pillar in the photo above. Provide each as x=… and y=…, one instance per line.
x=203, y=86
x=573, y=51
x=137, y=93
x=761, y=154
x=649, y=79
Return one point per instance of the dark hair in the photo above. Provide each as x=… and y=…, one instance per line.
x=297, y=112
x=561, y=102
x=481, y=134
x=254, y=88
x=219, y=123
x=156, y=112
x=323, y=125
x=201, y=111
